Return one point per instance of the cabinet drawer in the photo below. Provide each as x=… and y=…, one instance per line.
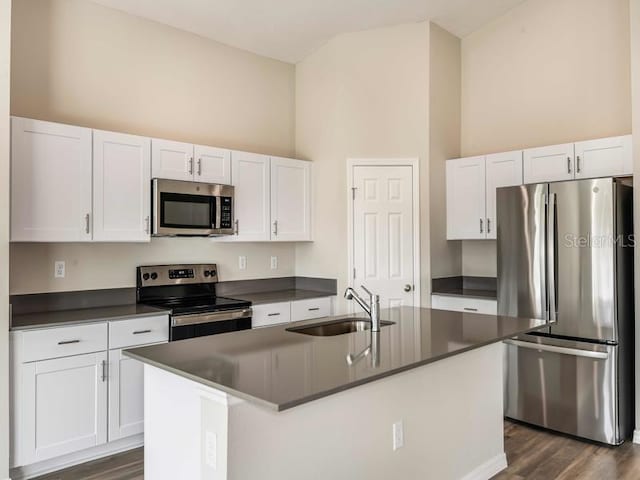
x=311, y=308
x=271, y=314
x=138, y=331
x=63, y=341
x=464, y=304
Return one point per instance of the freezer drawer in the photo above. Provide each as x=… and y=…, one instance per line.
x=565, y=386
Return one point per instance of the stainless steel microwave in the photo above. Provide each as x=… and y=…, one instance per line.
x=192, y=209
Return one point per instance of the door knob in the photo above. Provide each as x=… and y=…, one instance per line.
x=408, y=288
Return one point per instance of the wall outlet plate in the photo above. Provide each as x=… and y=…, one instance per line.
x=274, y=263
x=59, y=269
x=398, y=435
x=242, y=262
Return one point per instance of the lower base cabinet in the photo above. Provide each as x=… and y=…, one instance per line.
x=64, y=405
x=126, y=396
x=464, y=304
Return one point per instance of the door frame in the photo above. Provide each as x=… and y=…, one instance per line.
x=414, y=163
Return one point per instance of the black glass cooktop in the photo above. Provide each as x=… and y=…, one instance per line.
x=197, y=304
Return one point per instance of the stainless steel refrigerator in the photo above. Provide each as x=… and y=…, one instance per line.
x=565, y=252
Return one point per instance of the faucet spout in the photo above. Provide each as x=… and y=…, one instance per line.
x=372, y=308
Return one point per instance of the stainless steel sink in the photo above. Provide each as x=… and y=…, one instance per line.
x=336, y=327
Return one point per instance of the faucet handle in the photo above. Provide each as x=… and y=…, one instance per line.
x=366, y=290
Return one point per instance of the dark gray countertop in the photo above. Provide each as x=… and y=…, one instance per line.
x=85, y=315
x=280, y=296
x=279, y=369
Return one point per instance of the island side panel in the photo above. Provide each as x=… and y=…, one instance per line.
x=451, y=412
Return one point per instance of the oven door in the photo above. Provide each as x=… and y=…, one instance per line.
x=203, y=324
x=191, y=209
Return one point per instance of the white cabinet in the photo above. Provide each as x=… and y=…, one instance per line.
x=501, y=170
x=250, y=176
x=184, y=161
x=290, y=199
x=604, y=157
x=466, y=192
x=126, y=396
x=50, y=182
x=64, y=405
x=310, y=308
x=271, y=314
x=549, y=164
x=464, y=304
x=121, y=187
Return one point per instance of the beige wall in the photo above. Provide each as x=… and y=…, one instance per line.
x=361, y=95
x=5, y=50
x=77, y=62
x=444, y=143
x=549, y=71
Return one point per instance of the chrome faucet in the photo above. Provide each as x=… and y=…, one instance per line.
x=372, y=309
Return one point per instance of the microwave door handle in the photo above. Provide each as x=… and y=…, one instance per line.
x=217, y=212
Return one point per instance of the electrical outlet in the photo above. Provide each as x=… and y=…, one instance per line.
x=274, y=263
x=210, y=447
x=398, y=435
x=242, y=262
x=59, y=269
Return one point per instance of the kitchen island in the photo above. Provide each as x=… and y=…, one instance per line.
x=420, y=399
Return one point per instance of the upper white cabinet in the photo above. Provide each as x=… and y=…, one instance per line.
x=290, y=199
x=50, y=182
x=121, y=187
x=466, y=192
x=184, y=161
x=471, y=192
x=549, y=164
x=604, y=157
x=171, y=160
x=250, y=176
x=501, y=170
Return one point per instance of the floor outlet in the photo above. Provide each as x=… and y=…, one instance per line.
x=59, y=269
x=398, y=436
x=274, y=263
x=242, y=262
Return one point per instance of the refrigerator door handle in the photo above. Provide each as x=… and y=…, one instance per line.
x=576, y=352
x=551, y=257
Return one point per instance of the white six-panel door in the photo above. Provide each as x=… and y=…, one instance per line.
x=172, y=160
x=50, y=182
x=121, y=187
x=290, y=199
x=383, y=232
x=554, y=163
x=250, y=176
x=65, y=405
x=212, y=165
x=502, y=170
x=466, y=192
x=604, y=157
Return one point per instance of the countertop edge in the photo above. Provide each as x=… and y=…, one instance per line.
x=466, y=295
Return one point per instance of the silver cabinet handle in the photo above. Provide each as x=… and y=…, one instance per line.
x=68, y=342
x=191, y=166
x=104, y=370
x=568, y=164
x=275, y=228
x=87, y=221
x=555, y=349
x=147, y=224
x=578, y=164
x=408, y=288
x=314, y=309
x=481, y=229
x=488, y=225
x=469, y=309
x=273, y=314
x=237, y=232
x=200, y=167
x=139, y=332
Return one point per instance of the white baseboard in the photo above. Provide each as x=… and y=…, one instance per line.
x=59, y=463
x=636, y=436
x=488, y=469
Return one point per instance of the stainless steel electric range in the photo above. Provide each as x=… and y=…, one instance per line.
x=189, y=292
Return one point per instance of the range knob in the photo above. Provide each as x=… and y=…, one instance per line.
x=213, y=273
x=154, y=276
x=207, y=273
x=145, y=276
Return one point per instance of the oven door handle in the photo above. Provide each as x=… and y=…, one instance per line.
x=197, y=318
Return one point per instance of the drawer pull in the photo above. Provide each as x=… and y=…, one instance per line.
x=273, y=314
x=68, y=342
x=138, y=332
x=314, y=309
x=471, y=309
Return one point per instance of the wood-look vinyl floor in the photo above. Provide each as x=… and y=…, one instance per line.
x=533, y=454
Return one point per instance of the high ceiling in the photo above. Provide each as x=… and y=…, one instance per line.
x=289, y=30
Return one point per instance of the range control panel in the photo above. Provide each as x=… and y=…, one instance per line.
x=156, y=275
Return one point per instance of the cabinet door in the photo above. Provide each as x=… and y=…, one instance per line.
x=126, y=396
x=121, y=187
x=502, y=170
x=548, y=164
x=250, y=177
x=605, y=157
x=50, y=182
x=290, y=200
x=65, y=405
x=212, y=165
x=466, y=198
x=171, y=160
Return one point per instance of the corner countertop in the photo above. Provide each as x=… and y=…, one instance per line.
x=59, y=318
x=289, y=295
x=279, y=369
